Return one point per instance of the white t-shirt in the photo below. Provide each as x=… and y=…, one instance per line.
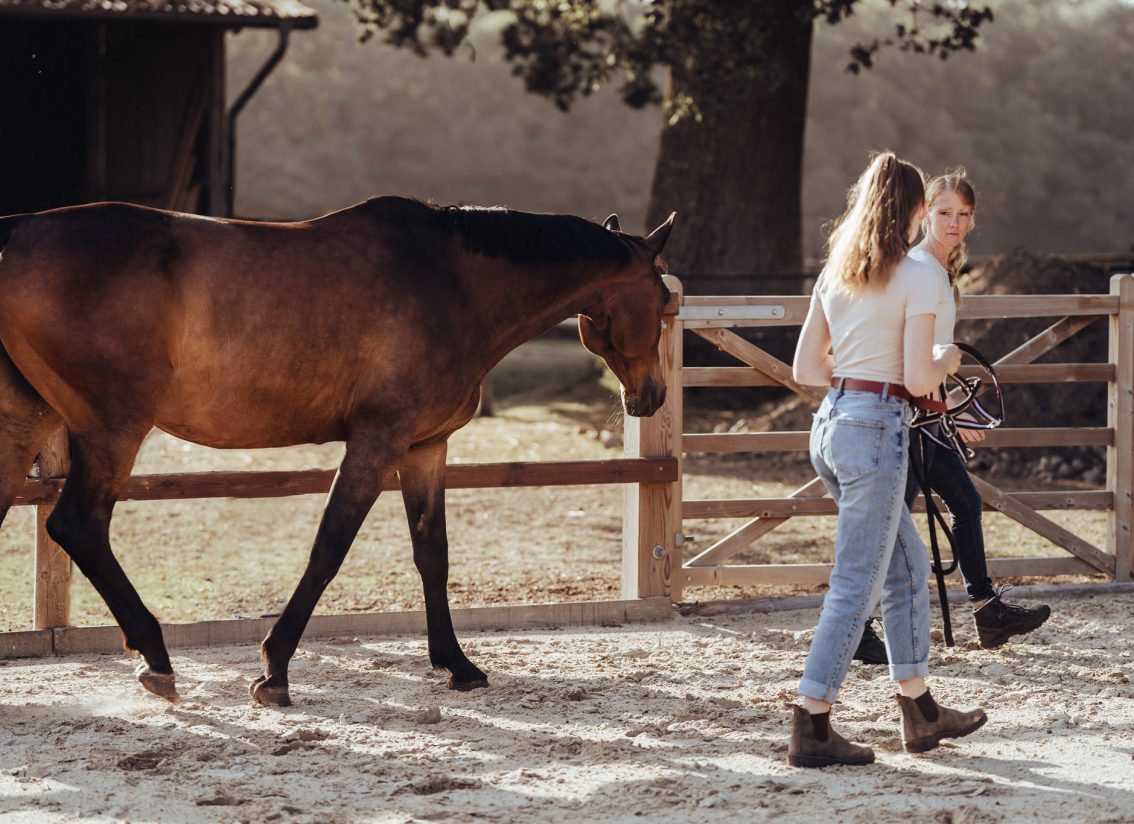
x=868, y=327
x=946, y=305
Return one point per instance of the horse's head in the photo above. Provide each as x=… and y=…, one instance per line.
x=624, y=324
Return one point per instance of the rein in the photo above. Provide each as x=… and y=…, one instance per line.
x=948, y=424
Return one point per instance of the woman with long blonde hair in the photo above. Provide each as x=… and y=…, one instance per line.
x=869, y=337
x=950, y=215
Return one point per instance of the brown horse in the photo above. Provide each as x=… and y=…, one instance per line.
x=373, y=325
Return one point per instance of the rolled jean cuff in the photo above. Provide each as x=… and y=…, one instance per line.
x=820, y=692
x=902, y=672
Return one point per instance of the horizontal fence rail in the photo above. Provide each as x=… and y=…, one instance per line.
x=279, y=484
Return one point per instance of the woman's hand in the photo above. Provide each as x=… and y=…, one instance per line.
x=948, y=357
x=969, y=435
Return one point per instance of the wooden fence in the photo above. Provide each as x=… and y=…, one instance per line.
x=655, y=562
x=655, y=568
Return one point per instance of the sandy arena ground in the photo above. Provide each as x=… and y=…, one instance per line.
x=682, y=721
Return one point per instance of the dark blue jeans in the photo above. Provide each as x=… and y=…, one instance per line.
x=947, y=476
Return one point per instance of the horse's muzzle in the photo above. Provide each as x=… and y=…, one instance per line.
x=646, y=402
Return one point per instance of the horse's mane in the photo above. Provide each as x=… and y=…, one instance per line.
x=524, y=237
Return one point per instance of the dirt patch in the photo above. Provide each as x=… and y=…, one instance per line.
x=679, y=721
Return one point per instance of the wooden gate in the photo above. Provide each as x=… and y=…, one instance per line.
x=654, y=538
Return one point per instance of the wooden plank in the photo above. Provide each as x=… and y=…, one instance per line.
x=1032, y=306
x=1120, y=418
x=217, y=151
x=728, y=442
x=652, y=511
x=1017, y=511
x=757, y=508
x=184, y=159
x=725, y=376
x=792, y=303
x=1046, y=372
x=757, y=575
x=52, y=589
x=265, y=484
x=732, y=442
x=737, y=540
x=753, y=355
x=789, y=507
x=1050, y=436
x=743, y=314
x=815, y=574
x=28, y=644
x=794, y=309
x=108, y=639
x=1045, y=341
x=1039, y=567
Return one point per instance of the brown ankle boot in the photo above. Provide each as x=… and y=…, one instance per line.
x=805, y=750
x=919, y=735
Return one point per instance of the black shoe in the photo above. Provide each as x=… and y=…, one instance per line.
x=997, y=621
x=871, y=649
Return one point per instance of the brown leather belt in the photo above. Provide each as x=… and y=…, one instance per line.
x=894, y=390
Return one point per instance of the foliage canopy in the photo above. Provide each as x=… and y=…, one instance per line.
x=564, y=50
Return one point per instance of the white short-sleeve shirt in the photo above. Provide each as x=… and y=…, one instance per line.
x=868, y=327
x=946, y=305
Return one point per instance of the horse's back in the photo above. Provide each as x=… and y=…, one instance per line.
x=230, y=333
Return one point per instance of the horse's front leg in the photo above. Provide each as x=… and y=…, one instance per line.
x=356, y=487
x=100, y=464
x=422, y=475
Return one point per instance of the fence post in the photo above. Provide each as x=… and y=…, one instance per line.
x=1120, y=419
x=652, y=512
x=52, y=565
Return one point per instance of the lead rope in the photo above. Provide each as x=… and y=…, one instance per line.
x=933, y=514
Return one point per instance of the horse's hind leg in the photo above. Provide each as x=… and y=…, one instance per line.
x=422, y=475
x=100, y=464
x=356, y=487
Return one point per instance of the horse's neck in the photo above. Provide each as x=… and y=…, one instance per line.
x=525, y=301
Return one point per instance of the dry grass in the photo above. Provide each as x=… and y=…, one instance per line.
x=207, y=559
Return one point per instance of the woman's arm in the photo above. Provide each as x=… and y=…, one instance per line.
x=925, y=365
x=813, y=363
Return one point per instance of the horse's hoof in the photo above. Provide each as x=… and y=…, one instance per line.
x=270, y=695
x=467, y=684
x=161, y=684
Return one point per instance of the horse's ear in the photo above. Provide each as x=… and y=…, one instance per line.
x=660, y=235
x=612, y=224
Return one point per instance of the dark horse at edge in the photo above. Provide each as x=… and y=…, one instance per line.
x=373, y=325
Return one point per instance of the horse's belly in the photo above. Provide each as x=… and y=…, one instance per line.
x=248, y=425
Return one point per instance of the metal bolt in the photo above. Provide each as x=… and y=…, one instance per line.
x=681, y=539
x=658, y=552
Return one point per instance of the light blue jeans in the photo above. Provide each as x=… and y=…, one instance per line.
x=859, y=447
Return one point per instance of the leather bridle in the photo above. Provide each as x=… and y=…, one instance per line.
x=961, y=398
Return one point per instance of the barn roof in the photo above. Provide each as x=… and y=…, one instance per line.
x=229, y=13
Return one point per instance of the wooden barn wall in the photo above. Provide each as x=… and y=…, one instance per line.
x=42, y=71
x=111, y=111
x=157, y=94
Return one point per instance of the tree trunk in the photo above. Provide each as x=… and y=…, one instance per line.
x=735, y=177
